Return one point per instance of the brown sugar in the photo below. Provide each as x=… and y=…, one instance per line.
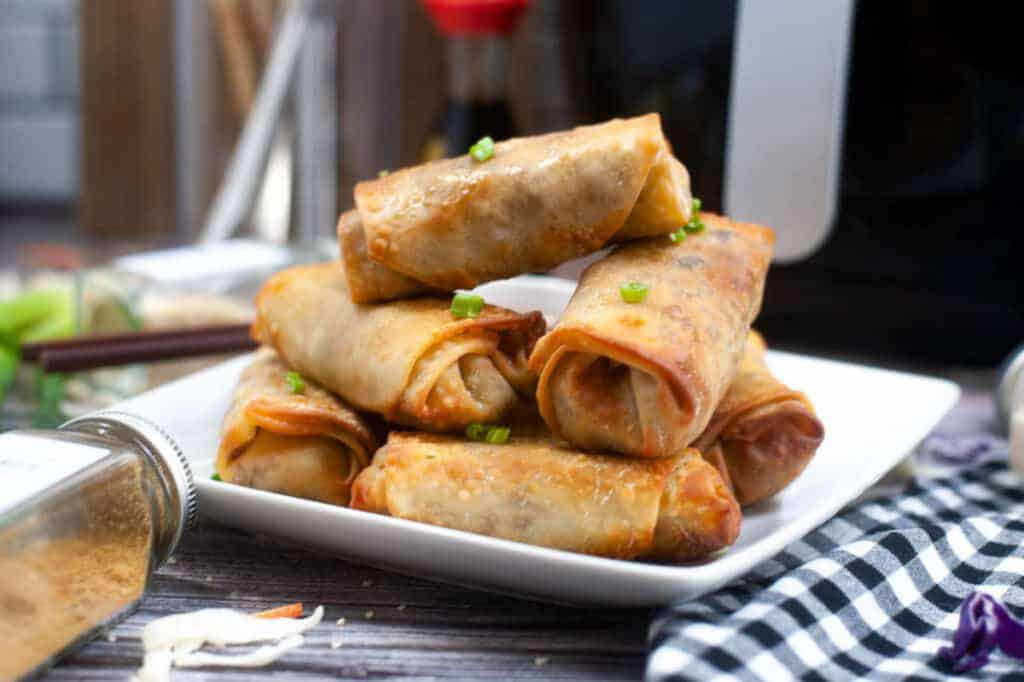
x=73, y=566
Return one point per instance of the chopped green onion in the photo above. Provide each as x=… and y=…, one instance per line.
x=678, y=236
x=633, y=292
x=476, y=431
x=383, y=173
x=696, y=224
x=483, y=149
x=496, y=435
x=216, y=477
x=296, y=384
x=467, y=305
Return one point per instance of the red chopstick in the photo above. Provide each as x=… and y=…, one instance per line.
x=92, y=352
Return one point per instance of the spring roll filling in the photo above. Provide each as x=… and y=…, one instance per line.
x=601, y=403
x=461, y=380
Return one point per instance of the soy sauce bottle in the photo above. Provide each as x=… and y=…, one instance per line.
x=476, y=103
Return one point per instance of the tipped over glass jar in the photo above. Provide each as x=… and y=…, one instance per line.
x=87, y=513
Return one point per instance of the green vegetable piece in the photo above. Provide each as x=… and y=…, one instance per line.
x=696, y=204
x=497, y=435
x=483, y=149
x=467, y=305
x=216, y=477
x=59, y=324
x=50, y=393
x=476, y=431
x=633, y=292
x=383, y=173
x=9, y=358
x=678, y=236
x=29, y=308
x=296, y=384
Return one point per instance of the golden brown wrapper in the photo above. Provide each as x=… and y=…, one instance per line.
x=537, y=490
x=368, y=280
x=763, y=434
x=411, y=361
x=664, y=204
x=307, y=444
x=539, y=202
x=644, y=378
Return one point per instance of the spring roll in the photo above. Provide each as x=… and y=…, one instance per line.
x=538, y=491
x=764, y=432
x=308, y=444
x=644, y=378
x=539, y=202
x=411, y=361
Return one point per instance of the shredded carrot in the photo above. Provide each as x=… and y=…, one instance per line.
x=288, y=611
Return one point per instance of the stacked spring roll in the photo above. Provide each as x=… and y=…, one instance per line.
x=308, y=444
x=763, y=434
x=645, y=378
x=410, y=361
x=539, y=491
x=539, y=202
x=638, y=428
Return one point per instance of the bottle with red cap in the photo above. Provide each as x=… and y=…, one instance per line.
x=476, y=103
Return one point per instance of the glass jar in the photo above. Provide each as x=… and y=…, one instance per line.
x=87, y=513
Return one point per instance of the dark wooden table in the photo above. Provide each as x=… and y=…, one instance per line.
x=397, y=627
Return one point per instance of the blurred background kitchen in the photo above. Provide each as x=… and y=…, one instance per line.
x=883, y=141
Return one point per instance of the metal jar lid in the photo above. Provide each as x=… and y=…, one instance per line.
x=162, y=451
x=1010, y=387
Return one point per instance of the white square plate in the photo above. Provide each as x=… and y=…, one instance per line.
x=873, y=418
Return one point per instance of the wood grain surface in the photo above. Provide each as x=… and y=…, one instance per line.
x=417, y=629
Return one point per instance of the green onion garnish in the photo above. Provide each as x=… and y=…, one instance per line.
x=483, y=149
x=497, y=435
x=216, y=477
x=696, y=224
x=383, y=173
x=476, y=431
x=467, y=305
x=633, y=292
x=296, y=384
x=678, y=236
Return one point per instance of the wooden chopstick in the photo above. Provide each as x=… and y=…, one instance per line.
x=30, y=352
x=74, y=355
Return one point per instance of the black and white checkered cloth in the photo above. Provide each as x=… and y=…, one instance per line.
x=873, y=594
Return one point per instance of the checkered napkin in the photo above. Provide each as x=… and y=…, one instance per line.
x=872, y=594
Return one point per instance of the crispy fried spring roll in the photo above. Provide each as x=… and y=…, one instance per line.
x=644, y=378
x=411, y=361
x=766, y=433
x=307, y=444
x=538, y=491
x=539, y=202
